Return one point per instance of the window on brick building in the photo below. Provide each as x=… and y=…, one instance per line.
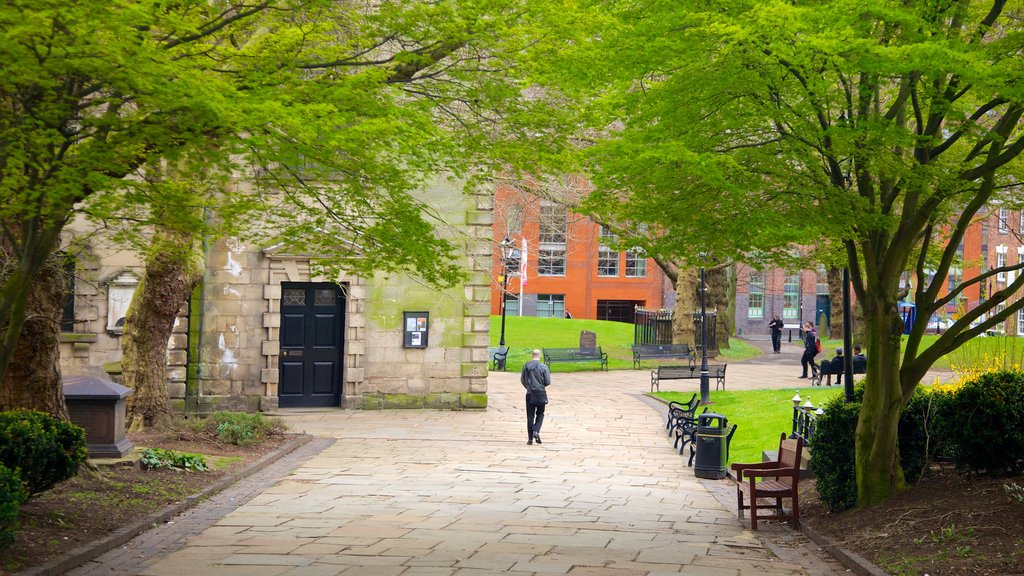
x=1020, y=322
x=755, y=295
x=1000, y=262
x=636, y=263
x=1004, y=220
x=607, y=259
x=551, y=305
x=791, y=297
x=551, y=251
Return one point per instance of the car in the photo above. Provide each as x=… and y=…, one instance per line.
x=938, y=325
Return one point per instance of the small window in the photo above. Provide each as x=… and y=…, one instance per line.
x=607, y=259
x=551, y=261
x=791, y=297
x=821, y=286
x=1004, y=220
x=511, y=304
x=120, y=292
x=551, y=305
x=294, y=297
x=324, y=297
x=755, y=295
x=1020, y=322
x=1000, y=262
x=636, y=263
x=67, y=318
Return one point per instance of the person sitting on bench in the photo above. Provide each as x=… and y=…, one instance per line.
x=839, y=366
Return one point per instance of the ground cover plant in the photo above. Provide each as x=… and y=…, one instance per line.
x=92, y=504
x=524, y=333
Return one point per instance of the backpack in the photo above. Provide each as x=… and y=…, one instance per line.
x=817, y=345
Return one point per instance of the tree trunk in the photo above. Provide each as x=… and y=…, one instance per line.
x=32, y=380
x=717, y=280
x=879, y=473
x=171, y=275
x=686, y=286
x=835, y=299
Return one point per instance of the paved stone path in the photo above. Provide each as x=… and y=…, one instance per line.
x=460, y=493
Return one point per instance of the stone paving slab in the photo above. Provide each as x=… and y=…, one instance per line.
x=460, y=493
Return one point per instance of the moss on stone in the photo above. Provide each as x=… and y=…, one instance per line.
x=112, y=367
x=442, y=401
x=402, y=401
x=473, y=400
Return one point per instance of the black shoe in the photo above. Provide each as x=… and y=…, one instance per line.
x=537, y=438
x=804, y=376
x=529, y=441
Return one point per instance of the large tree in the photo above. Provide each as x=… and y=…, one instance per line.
x=744, y=127
x=336, y=112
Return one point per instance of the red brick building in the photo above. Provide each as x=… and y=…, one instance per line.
x=569, y=269
x=994, y=240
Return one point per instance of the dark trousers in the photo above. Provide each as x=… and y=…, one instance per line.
x=808, y=360
x=534, y=418
x=777, y=341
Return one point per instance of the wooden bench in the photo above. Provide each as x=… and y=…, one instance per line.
x=552, y=355
x=657, y=351
x=498, y=356
x=716, y=372
x=779, y=479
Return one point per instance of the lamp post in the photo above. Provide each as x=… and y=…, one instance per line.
x=705, y=379
x=507, y=247
x=847, y=338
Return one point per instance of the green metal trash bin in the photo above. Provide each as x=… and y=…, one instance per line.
x=712, y=446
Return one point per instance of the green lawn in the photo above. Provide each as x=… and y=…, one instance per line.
x=524, y=333
x=977, y=351
x=760, y=415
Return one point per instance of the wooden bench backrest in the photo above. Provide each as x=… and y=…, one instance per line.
x=789, y=456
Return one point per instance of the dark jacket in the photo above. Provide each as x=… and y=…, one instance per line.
x=810, y=342
x=535, y=378
x=775, y=326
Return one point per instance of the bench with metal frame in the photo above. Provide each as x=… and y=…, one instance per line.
x=498, y=356
x=716, y=372
x=552, y=355
x=656, y=351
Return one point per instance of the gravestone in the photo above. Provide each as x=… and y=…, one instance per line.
x=588, y=340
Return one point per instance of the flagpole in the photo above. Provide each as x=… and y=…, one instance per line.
x=522, y=276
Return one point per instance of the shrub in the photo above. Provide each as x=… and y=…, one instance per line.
x=832, y=457
x=159, y=458
x=12, y=495
x=241, y=428
x=922, y=434
x=990, y=410
x=43, y=449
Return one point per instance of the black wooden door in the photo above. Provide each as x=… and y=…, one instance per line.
x=312, y=343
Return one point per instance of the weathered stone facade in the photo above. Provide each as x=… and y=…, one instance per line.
x=224, y=353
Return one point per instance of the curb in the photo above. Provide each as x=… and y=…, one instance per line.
x=87, y=552
x=855, y=562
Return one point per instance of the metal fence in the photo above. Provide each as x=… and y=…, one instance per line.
x=652, y=326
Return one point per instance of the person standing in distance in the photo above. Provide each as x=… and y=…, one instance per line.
x=535, y=378
x=810, y=349
x=775, y=326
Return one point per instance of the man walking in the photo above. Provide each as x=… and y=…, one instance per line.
x=810, y=349
x=775, y=326
x=535, y=378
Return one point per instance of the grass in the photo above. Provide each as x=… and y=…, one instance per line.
x=524, y=333
x=760, y=414
x=980, y=350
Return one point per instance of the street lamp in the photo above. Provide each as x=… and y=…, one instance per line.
x=507, y=248
x=705, y=378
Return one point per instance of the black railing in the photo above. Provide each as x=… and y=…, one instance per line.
x=805, y=420
x=652, y=326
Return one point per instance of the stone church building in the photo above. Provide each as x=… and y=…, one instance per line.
x=262, y=331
